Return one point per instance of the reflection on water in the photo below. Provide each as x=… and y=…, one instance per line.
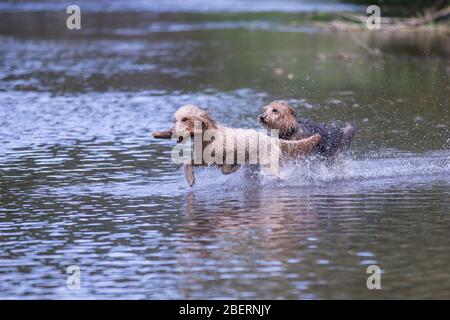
x=83, y=183
x=176, y=6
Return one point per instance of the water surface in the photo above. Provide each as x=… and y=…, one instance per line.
x=83, y=183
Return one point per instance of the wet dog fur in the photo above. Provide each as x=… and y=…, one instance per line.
x=279, y=115
x=186, y=123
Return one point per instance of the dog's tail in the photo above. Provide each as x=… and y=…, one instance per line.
x=348, y=132
x=299, y=148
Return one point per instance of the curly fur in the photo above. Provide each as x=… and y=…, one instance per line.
x=279, y=115
x=187, y=122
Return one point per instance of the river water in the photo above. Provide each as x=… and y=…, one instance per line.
x=84, y=184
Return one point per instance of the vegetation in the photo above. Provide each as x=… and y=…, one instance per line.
x=407, y=6
x=402, y=15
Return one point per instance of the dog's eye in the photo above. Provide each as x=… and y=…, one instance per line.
x=184, y=119
x=275, y=110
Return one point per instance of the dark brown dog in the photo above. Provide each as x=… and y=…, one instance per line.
x=279, y=115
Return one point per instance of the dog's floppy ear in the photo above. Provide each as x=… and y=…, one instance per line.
x=207, y=121
x=291, y=110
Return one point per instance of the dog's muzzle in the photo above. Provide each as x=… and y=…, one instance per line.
x=262, y=118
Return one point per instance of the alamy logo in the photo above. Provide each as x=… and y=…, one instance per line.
x=374, y=280
x=73, y=281
x=374, y=18
x=73, y=21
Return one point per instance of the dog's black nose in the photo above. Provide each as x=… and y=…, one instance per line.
x=262, y=117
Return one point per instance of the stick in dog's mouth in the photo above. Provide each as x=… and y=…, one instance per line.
x=165, y=135
x=169, y=133
x=162, y=134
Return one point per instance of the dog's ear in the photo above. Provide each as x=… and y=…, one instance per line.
x=291, y=110
x=284, y=104
x=207, y=121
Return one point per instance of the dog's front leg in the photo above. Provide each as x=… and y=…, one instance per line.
x=189, y=173
x=230, y=168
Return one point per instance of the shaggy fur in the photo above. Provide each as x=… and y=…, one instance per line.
x=227, y=141
x=279, y=115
